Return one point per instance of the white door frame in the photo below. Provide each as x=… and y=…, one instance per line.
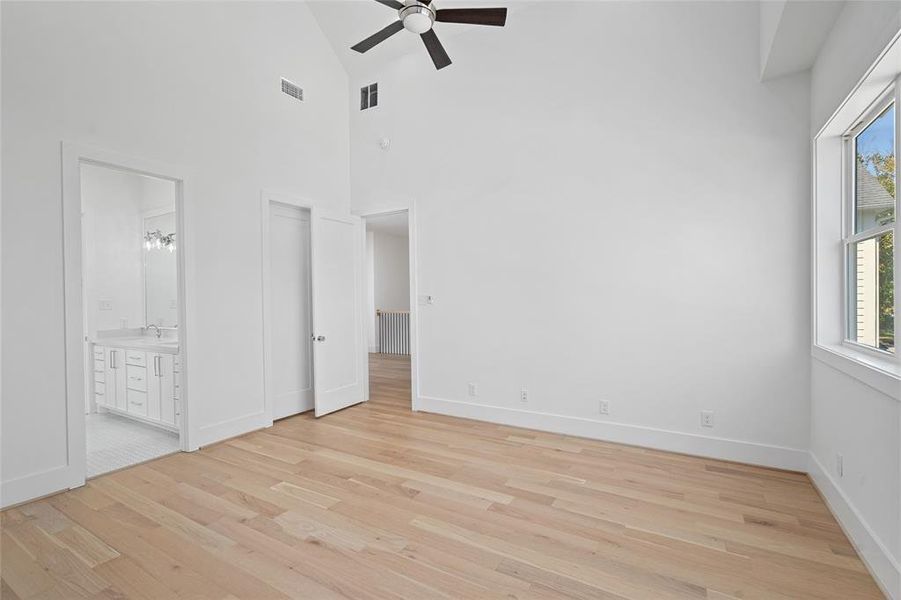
x=73, y=156
x=267, y=197
x=414, y=295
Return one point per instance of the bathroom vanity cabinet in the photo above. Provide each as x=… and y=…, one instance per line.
x=138, y=383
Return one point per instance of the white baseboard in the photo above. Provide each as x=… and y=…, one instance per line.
x=636, y=435
x=224, y=430
x=874, y=553
x=34, y=486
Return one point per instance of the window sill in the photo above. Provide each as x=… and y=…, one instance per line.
x=880, y=373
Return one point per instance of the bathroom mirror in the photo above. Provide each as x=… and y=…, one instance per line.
x=160, y=275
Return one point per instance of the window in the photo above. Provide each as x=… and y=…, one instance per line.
x=869, y=238
x=369, y=96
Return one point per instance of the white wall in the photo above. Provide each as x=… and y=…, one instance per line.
x=861, y=32
x=847, y=416
x=391, y=266
x=388, y=277
x=112, y=237
x=630, y=224
x=113, y=205
x=193, y=84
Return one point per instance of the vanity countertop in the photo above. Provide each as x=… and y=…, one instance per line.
x=143, y=343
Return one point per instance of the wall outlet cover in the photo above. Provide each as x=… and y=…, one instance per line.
x=706, y=418
x=604, y=407
x=523, y=395
x=473, y=389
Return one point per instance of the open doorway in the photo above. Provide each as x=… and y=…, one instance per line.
x=389, y=319
x=130, y=246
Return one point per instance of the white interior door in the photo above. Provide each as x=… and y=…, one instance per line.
x=291, y=354
x=339, y=354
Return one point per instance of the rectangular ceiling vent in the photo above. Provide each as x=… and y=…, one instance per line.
x=292, y=89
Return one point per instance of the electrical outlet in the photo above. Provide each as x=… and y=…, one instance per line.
x=473, y=389
x=839, y=465
x=706, y=418
x=604, y=407
x=524, y=395
x=105, y=305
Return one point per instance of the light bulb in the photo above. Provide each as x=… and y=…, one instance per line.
x=417, y=22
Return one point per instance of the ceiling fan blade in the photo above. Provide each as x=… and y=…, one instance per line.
x=391, y=4
x=436, y=50
x=378, y=37
x=472, y=16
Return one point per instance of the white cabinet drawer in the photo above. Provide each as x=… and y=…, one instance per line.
x=136, y=378
x=100, y=399
x=137, y=402
x=98, y=352
x=99, y=376
x=99, y=388
x=98, y=366
x=133, y=357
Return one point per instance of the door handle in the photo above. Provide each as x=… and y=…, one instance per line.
x=318, y=338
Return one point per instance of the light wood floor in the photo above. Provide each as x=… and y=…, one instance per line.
x=379, y=502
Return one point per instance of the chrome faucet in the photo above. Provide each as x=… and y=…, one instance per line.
x=159, y=332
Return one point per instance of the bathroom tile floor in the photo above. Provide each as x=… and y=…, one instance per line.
x=115, y=442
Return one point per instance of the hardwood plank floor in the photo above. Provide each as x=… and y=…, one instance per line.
x=379, y=502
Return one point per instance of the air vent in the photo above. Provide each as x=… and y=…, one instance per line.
x=369, y=96
x=292, y=89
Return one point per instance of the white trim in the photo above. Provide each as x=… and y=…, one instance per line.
x=875, y=555
x=267, y=197
x=35, y=485
x=72, y=157
x=223, y=430
x=766, y=455
x=881, y=375
x=414, y=296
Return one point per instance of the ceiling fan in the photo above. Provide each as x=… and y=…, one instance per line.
x=418, y=16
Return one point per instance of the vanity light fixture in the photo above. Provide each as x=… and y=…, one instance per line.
x=156, y=239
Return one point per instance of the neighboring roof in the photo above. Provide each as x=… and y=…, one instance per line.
x=870, y=193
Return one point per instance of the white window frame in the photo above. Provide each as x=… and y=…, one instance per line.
x=849, y=215
x=830, y=230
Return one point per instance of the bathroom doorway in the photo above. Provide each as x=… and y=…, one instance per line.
x=130, y=247
x=125, y=314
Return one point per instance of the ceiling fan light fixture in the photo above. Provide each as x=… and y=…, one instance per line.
x=417, y=18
